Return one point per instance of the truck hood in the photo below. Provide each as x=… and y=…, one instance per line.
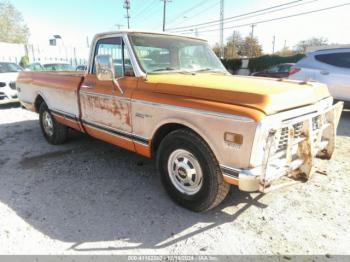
x=8, y=77
x=267, y=95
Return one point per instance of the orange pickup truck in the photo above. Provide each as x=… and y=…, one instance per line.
x=170, y=98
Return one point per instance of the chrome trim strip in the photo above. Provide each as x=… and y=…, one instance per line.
x=110, y=130
x=229, y=171
x=192, y=110
x=107, y=131
x=102, y=126
x=123, y=99
x=64, y=114
x=118, y=132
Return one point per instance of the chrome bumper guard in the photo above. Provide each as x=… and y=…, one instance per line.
x=315, y=138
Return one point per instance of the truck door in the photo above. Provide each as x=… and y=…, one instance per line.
x=106, y=112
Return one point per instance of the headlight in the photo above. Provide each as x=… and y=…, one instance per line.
x=13, y=85
x=260, y=140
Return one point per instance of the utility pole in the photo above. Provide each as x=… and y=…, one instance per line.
x=273, y=44
x=252, y=33
x=222, y=50
x=252, y=36
x=127, y=7
x=164, y=12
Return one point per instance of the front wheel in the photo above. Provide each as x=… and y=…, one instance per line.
x=54, y=132
x=190, y=172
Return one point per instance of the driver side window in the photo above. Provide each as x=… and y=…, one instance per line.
x=114, y=47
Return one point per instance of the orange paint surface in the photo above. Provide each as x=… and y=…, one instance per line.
x=115, y=140
x=231, y=180
x=67, y=122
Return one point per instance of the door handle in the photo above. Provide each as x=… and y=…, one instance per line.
x=88, y=84
x=324, y=73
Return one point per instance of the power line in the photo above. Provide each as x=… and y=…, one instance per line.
x=206, y=9
x=146, y=12
x=280, y=18
x=146, y=8
x=255, y=15
x=229, y=18
x=178, y=16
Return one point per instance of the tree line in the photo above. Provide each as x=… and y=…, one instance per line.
x=238, y=46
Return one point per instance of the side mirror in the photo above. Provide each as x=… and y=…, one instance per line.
x=2, y=84
x=105, y=70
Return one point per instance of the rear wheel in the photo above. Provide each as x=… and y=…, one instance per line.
x=54, y=132
x=190, y=172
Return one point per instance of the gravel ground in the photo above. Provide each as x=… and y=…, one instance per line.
x=88, y=197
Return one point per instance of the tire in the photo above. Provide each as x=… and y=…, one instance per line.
x=56, y=134
x=181, y=154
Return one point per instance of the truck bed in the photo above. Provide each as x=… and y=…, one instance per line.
x=58, y=89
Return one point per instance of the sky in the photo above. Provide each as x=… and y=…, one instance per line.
x=78, y=20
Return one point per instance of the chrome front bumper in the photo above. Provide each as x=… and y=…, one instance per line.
x=291, y=150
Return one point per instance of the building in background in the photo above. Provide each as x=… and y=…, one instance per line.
x=55, y=51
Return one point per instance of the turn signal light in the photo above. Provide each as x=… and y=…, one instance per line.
x=233, y=138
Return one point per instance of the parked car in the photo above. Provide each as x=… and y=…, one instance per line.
x=276, y=71
x=8, y=77
x=81, y=68
x=328, y=66
x=34, y=67
x=49, y=67
x=173, y=100
x=57, y=67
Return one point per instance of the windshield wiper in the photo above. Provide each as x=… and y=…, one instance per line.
x=163, y=69
x=172, y=70
x=209, y=70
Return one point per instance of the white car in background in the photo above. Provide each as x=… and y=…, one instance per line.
x=328, y=66
x=8, y=77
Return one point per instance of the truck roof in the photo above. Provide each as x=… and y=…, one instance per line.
x=129, y=31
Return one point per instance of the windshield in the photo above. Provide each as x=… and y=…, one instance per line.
x=157, y=53
x=9, y=68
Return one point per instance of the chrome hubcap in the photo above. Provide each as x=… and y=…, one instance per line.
x=47, y=123
x=185, y=172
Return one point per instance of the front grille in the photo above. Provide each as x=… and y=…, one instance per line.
x=283, y=141
x=316, y=123
x=13, y=85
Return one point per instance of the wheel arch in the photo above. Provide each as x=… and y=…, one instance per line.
x=165, y=128
x=37, y=102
